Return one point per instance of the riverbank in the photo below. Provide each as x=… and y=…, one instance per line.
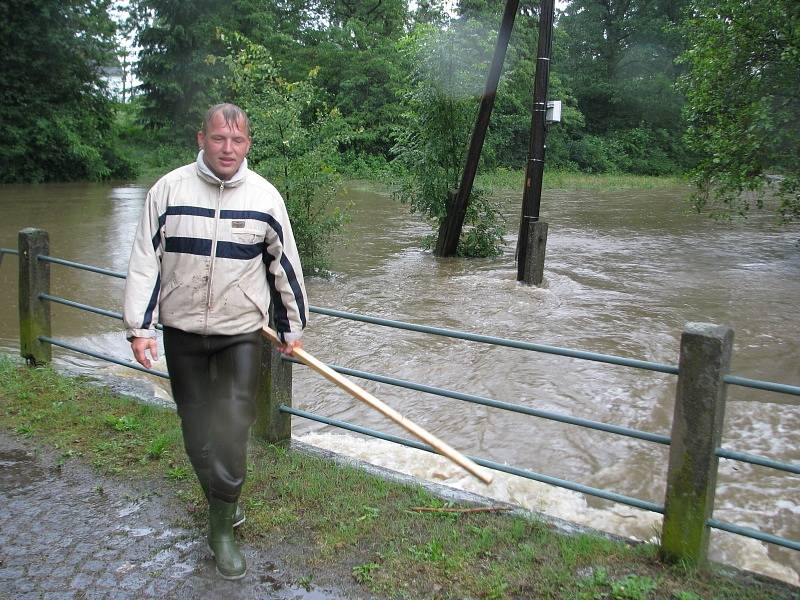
x=335, y=523
x=504, y=180
x=154, y=158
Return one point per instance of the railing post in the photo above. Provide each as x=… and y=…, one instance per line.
x=705, y=357
x=34, y=279
x=272, y=425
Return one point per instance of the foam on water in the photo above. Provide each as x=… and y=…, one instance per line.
x=618, y=519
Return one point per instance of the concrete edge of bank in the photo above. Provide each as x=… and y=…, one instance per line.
x=452, y=494
x=461, y=496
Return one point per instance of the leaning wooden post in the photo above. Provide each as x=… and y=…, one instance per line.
x=34, y=279
x=272, y=425
x=705, y=357
x=457, y=201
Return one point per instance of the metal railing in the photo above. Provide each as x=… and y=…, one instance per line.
x=36, y=254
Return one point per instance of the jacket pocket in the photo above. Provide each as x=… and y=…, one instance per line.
x=247, y=236
x=168, y=288
x=258, y=299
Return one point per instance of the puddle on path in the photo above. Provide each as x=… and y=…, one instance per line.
x=176, y=554
x=18, y=470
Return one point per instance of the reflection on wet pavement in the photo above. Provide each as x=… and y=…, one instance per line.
x=66, y=532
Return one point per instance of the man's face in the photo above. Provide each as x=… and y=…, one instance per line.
x=225, y=146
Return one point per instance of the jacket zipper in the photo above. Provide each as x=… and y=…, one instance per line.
x=213, y=253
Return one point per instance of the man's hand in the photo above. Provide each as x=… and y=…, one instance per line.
x=288, y=347
x=139, y=345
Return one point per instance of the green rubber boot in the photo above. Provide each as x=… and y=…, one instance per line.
x=230, y=560
x=203, y=476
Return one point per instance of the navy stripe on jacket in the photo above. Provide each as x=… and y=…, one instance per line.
x=202, y=247
x=162, y=218
x=295, y=285
x=281, y=316
x=279, y=313
x=239, y=251
x=188, y=245
x=244, y=214
x=151, y=306
x=195, y=211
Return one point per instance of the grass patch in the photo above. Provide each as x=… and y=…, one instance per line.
x=512, y=179
x=336, y=523
x=78, y=419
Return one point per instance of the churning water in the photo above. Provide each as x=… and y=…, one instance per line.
x=625, y=271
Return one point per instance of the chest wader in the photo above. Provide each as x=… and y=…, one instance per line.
x=214, y=380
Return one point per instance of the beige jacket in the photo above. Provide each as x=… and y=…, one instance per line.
x=208, y=255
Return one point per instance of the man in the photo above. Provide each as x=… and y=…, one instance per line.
x=213, y=246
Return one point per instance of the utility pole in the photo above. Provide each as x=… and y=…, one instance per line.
x=532, y=239
x=450, y=229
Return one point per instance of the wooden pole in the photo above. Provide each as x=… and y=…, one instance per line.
x=534, y=253
x=360, y=394
x=532, y=194
x=450, y=228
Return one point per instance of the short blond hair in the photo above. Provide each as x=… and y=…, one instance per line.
x=231, y=113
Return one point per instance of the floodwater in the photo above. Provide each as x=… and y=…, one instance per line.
x=625, y=271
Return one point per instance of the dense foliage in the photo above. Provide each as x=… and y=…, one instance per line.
x=743, y=106
x=56, y=118
x=295, y=135
x=648, y=87
x=618, y=59
x=432, y=143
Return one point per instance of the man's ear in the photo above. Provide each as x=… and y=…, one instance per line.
x=201, y=140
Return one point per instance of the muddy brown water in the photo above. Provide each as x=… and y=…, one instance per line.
x=625, y=271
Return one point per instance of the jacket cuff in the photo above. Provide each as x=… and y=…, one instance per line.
x=287, y=337
x=139, y=333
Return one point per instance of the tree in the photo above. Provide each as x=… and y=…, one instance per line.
x=743, y=107
x=177, y=37
x=619, y=62
x=432, y=141
x=295, y=142
x=360, y=69
x=57, y=119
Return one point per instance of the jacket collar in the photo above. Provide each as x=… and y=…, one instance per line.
x=208, y=175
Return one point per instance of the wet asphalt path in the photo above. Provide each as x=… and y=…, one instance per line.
x=67, y=533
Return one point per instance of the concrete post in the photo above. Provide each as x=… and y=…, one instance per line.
x=705, y=357
x=34, y=279
x=535, y=249
x=272, y=425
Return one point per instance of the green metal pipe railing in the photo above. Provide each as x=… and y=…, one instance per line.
x=517, y=408
x=580, y=354
x=498, y=341
x=83, y=267
x=758, y=460
x=769, y=386
x=111, y=359
x=4, y=251
x=443, y=392
x=80, y=306
x=753, y=533
x=86, y=307
x=563, y=483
